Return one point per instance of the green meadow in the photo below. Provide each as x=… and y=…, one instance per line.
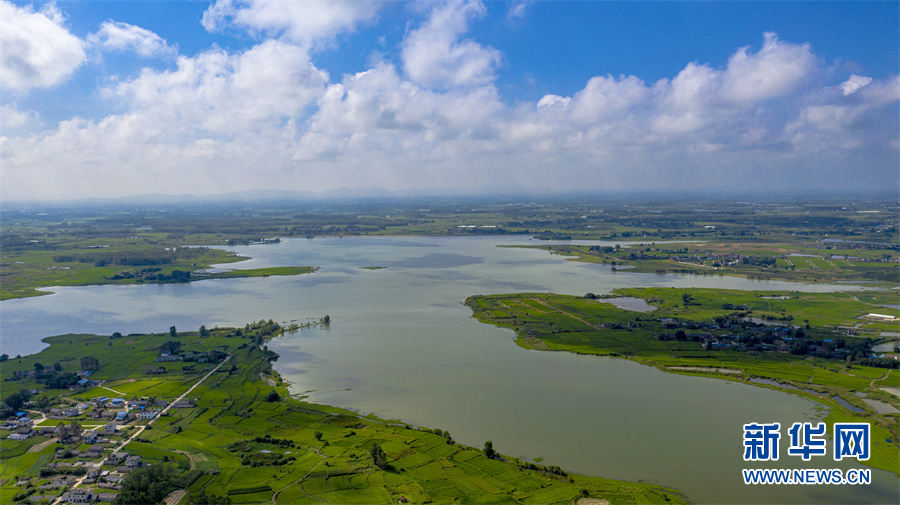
x=247, y=438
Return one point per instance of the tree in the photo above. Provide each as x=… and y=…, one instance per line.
x=203, y=331
x=173, y=346
x=173, y=331
x=90, y=363
x=147, y=485
x=116, y=335
x=42, y=403
x=686, y=299
x=326, y=319
x=489, y=449
x=38, y=366
x=202, y=498
x=16, y=400
x=378, y=456
x=57, y=367
x=273, y=396
x=4, y=357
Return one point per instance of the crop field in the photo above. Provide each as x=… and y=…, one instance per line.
x=591, y=326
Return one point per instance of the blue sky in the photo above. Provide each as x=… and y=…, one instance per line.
x=116, y=98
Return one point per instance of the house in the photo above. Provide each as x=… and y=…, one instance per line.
x=100, y=400
x=106, y=497
x=116, y=458
x=45, y=431
x=63, y=480
x=161, y=403
x=183, y=404
x=89, y=436
x=19, y=436
x=117, y=402
x=138, y=403
x=122, y=416
x=156, y=371
x=70, y=412
x=110, y=428
x=92, y=476
x=148, y=414
x=91, y=454
x=79, y=495
x=133, y=461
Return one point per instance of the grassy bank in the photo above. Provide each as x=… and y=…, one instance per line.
x=245, y=437
x=708, y=332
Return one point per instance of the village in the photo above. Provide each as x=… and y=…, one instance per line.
x=88, y=463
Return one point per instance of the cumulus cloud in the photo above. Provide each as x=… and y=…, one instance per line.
x=774, y=70
x=38, y=50
x=116, y=36
x=220, y=92
x=434, y=56
x=304, y=23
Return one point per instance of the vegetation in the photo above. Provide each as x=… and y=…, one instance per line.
x=145, y=485
x=240, y=445
x=721, y=333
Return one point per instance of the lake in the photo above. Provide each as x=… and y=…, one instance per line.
x=402, y=345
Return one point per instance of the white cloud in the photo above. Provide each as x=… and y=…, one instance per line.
x=553, y=100
x=304, y=22
x=518, y=9
x=116, y=36
x=13, y=119
x=434, y=57
x=776, y=69
x=606, y=98
x=228, y=93
x=854, y=84
x=38, y=51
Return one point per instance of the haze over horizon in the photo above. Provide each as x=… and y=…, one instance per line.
x=104, y=100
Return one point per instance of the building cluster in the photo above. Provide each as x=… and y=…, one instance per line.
x=87, y=435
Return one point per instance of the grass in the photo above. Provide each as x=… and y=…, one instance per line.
x=231, y=408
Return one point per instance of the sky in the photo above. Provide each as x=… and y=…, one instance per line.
x=110, y=99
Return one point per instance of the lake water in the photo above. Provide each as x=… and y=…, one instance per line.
x=402, y=345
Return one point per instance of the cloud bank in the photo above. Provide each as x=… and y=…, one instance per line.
x=774, y=116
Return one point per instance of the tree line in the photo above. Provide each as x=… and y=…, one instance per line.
x=144, y=257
